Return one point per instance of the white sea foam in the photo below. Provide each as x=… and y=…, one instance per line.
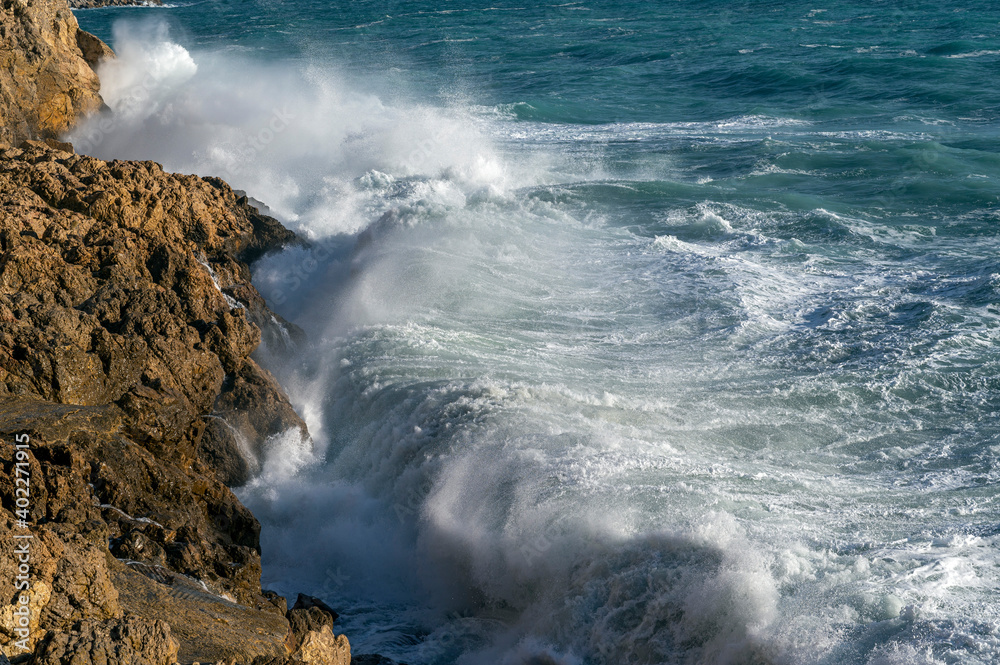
x=974, y=54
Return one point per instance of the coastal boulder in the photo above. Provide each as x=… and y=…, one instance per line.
x=309, y=614
x=322, y=647
x=318, y=647
x=93, y=50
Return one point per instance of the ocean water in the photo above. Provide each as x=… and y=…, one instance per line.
x=640, y=332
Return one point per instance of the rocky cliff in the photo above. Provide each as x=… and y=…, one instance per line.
x=45, y=82
x=129, y=394
x=127, y=327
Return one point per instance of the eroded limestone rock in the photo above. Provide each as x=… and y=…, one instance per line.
x=127, y=324
x=45, y=82
x=131, y=639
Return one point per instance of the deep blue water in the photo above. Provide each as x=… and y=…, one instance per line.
x=641, y=332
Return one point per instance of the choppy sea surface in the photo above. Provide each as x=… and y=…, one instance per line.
x=640, y=332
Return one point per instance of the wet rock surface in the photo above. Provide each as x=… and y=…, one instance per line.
x=127, y=326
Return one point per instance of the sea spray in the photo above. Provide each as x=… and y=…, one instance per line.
x=292, y=134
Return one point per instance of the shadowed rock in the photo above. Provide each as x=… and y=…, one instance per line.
x=308, y=615
x=93, y=50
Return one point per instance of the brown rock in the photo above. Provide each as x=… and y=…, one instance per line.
x=121, y=341
x=69, y=582
x=127, y=327
x=45, y=83
x=94, y=51
x=319, y=647
x=128, y=640
x=227, y=451
x=120, y=282
x=324, y=648
x=304, y=602
x=207, y=627
x=59, y=145
x=303, y=621
x=90, y=480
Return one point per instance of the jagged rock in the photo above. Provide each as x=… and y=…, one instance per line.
x=208, y=627
x=322, y=647
x=318, y=647
x=119, y=283
x=127, y=327
x=280, y=602
x=227, y=451
x=59, y=145
x=309, y=614
x=45, y=83
x=303, y=621
x=118, y=331
x=94, y=51
x=128, y=640
x=92, y=487
x=69, y=578
x=304, y=602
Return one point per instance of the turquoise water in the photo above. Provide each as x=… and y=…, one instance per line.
x=639, y=332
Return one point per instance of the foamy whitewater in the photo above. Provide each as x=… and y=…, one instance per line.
x=636, y=334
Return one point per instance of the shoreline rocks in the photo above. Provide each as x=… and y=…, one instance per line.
x=130, y=395
x=124, y=284
x=127, y=325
